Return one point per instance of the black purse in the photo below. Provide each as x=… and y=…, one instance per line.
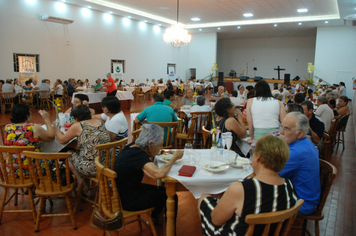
x=62, y=173
x=99, y=221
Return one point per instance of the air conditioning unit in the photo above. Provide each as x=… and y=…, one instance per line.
x=46, y=17
x=350, y=20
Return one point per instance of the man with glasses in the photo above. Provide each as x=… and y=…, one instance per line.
x=302, y=168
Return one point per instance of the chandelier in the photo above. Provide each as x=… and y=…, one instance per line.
x=176, y=34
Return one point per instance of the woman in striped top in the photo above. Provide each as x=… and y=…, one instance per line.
x=224, y=214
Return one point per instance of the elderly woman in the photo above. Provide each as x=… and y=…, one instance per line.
x=264, y=112
x=115, y=120
x=90, y=132
x=58, y=88
x=22, y=132
x=188, y=99
x=80, y=99
x=255, y=195
x=227, y=122
x=133, y=162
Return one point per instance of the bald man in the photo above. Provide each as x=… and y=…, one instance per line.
x=218, y=95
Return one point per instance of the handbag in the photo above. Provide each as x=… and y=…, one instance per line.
x=62, y=174
x=99, y=221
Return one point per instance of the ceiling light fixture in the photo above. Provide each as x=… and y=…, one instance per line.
x=218, y=28
x=176, y=34
x=326, y=22
x=299, y=23
x=275, y=25
x=302, y=10
x=238, y=27
x=89, y=7
x=200, y=29
x=110, y=12
x=195, y=19
x=248, y=15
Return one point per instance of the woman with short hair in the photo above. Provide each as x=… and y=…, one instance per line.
x=266, y=192
x=342, y=107
x=80, y=99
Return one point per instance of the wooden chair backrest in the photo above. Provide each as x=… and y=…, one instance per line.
x=135, y=134
x=44, y=94
x=280, y=217
x=327, y=176
x=7, y=98
x=170, y=128
x=109, y=150
x=28, y=96
x=343, y=123
x=206, y=134
x=136, y=110
x=153, y=89
x=5, y=177
x=2, y=130
x=333, y=126
x=192, y=126
x=109, y=196
x=43, y=181
x=204, y=119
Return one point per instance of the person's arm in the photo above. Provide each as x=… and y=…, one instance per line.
x=74, y=131
x=97, y=116
x=153, y=171
x=318, y=111
x=343, y=111
x=92, y=111
x=282, y=111
x=249, y=117
x=291, y=166
x=237, y=126
x=41, y=133
x=140, y=117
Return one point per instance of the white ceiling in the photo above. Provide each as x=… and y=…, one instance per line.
x=228, y=14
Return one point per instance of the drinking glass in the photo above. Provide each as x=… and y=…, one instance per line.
x=228, y=141
x=188, y=148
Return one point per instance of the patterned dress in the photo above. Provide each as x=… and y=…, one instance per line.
x=83, y=161
x=20, y=135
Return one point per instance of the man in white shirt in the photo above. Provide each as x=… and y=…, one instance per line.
x=8, y=87
x=234, y=98
x=324, y=112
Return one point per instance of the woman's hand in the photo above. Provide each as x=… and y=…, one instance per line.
x=45, y=115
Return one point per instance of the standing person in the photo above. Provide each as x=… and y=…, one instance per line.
x=110, y=86
x=342, y=89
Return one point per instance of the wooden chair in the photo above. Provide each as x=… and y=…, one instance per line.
x=28, y=99
x=328, y=139
x=135, y=134
x=65, y=96
x=206, y=135
x=2, y=129
x=43, y=97
x=341, y=130
x=170, y=133
x=327, y=176
x=110, y=202
x=283, y=218
x=7, y=101
x=136, y=126
x=139, y=96
x=189, y=136
x=10, y=181
x=204, y=119
x=152, y=91
x=109, y=150
x=46, y=187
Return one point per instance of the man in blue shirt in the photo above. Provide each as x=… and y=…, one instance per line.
x=302, y=168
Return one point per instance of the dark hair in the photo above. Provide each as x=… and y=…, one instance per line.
x=251, y=93
x=299, y=98
x=81, y=83
x=295, y=107
x=201, y=91
x=308, y=104
x=343, y=84
x=222, y=106
x=263, y=91
x=234, y=93
x=249, y=87
x=81, y=112
x=346, y=99
x=2, y=81
x=332, y=102
x=158, y=97
x=239, y=86
x=112, y=104
x=65, y=82
x=19, y=113
x=169, y=94
x=275, y=86
x=200, y=100
x=82, y=97
x=27, y=82
x=59, y=81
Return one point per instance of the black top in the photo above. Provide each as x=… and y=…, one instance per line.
x=170, y=86
x=70, y=88
x=128, y=166
x=317, y=126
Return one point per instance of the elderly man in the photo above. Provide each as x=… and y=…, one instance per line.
x=44, y=86
x=324, y=112
x=218, y=95
x=8, y=87
x=316, y=125
x=302, y=168
x=71, y=86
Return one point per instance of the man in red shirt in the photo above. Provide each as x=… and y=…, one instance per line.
x=110, y=86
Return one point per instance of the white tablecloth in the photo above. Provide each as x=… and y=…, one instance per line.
x=133, y=116
x=97, y=97
x=130, y=89
x=54, y=145
x=146, y=89
x=201, y=183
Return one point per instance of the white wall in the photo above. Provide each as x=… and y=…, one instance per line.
x=291, y=53
x=93, y=43
x=335, y=55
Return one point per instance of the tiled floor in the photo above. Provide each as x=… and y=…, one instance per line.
x=339, y=211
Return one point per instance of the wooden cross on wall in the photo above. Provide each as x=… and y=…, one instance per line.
x=279, y=70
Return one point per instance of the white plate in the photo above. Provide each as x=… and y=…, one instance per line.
x=215, y=163
x=239, y=162
x=166, y=158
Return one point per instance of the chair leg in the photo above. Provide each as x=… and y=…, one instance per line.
x=152, y=225
x=139, y=222
x=30, y=194
x=16, y=196
x=343, y=140
x=2, y=205
x=71, y=212
x=317, y=228
x=305, y=222
x=39, y=212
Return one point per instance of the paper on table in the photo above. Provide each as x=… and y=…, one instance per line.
x=243, y=145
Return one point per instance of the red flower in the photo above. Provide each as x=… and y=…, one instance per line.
x=28, y=134
x=36, y=140
x=31, y=139
x=21, y=143
x=8, y=143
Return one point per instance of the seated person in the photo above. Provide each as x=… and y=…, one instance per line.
x=58, y=88
x=22, y=132
x=80, y=99
x=226, y=214
x=81, y=86
x=302, y=168
x=132, y=83
x=200, y=107
x=332, y=105
x=294, y=107
x=218, y=95
x=234, y=98
x=89, y=132
x=115, y=120
x=98, y=86
x=188, y=99
x=171, y=100
x=228, y=122
x=324, y=112
x=133, y=162
x=316, y=125
x=299, y=98
x=342, y=107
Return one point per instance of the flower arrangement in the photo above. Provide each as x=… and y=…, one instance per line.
x=311, y=70
x=213, y=69
x=215, y=131
x=57, y=106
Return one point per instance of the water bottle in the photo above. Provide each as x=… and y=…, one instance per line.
x=219, y=150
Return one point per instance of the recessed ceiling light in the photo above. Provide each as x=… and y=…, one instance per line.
x=110, y=12
x=302, y=10
x=63, y=0
x=275, y=25
x=299, y=23
x=326, y=22
x=238, y=27
x=89, y=6
x=218, y=28
x=248, y=15
x=200, y=29
x=129, y=17
x=159, y=24
x=195, y=19
x=145, y=21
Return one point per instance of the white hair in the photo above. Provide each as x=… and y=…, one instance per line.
x=302, y=121
x=150, y=132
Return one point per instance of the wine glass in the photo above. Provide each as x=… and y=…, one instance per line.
x=246, y=165
x=228, y=142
